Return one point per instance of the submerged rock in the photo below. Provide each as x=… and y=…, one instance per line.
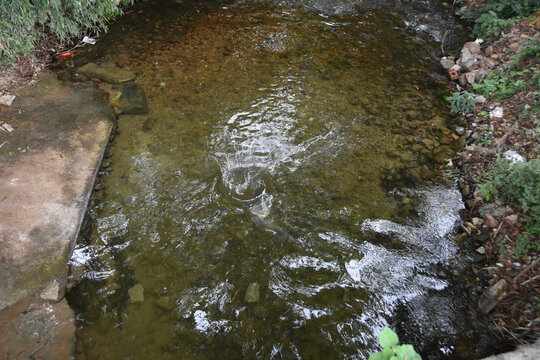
x=252, y=293
x=136, y=293
x=133, y=100
x=107, y=72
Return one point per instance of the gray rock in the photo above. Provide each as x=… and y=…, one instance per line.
x=467, y=59
x=480, y=75
x=473, y=47
x=456, y=68
x=480, y=99
x=491, y=297
x=252, y=293
x=133, y=100
x=471, y=76
x=107, y=72
x=523, y=352
x=462, y=80
x=511, y=219
x=496, y=211
x=447, y=63
x=490, y=63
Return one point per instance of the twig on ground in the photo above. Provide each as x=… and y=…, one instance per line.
x=531, y=265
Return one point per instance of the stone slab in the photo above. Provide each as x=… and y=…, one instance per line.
x=523, y=352
x=48, y=166
x=33, y=329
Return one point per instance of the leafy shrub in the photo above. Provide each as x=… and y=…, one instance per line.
x=24, y=21
x=495, y=15
x=518, y=183
x=489, y=25
x=461, y=101
x=391, y=350
x=503, y=85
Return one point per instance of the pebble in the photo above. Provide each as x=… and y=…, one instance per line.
x=496, y=113
x=51, y=292
x=511, y=219
x=480, y=99
x=477, y=222
x=447, y=63
x=491, y=297
x=490, y=221
x=460, y=130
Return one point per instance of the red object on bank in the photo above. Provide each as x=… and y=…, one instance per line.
x=64, y=55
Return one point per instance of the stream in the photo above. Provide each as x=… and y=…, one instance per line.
x=289, y=192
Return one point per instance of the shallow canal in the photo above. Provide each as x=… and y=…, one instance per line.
x=287, y=195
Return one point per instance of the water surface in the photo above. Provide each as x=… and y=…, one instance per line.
x=299, y=150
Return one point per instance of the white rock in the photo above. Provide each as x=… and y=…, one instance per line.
x=513, y=156
x=496, y=113
x=7, y=100
x=8, y=127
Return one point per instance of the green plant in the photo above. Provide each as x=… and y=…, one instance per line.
x=485, y=135
x=519, y=184
x=23, y=22
x=492, y=17
x=391, y=350
x=506, y=84
x=489, y=25
x=534, y=134
x=461, y=101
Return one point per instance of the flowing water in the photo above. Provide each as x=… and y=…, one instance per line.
x=287, y=195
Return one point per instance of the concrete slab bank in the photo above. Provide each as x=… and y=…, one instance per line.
x=51, y=146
